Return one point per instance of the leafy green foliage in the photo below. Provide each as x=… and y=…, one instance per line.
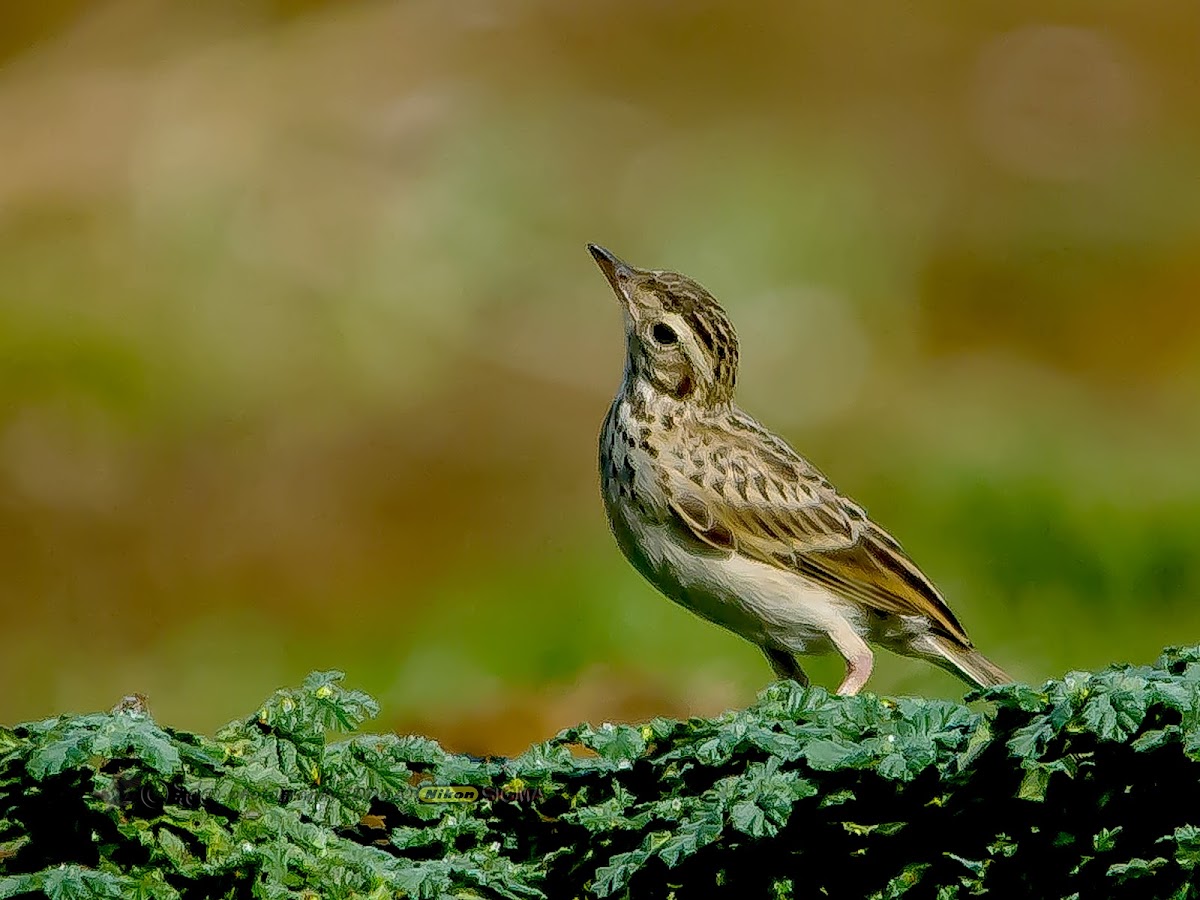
x=1087, y=786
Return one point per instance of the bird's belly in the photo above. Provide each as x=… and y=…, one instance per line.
x=763, y=603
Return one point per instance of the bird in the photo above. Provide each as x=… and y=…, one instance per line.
x=726, y=519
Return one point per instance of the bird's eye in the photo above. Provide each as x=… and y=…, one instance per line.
x=664, y=334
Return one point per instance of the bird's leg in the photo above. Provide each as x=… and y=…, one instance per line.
x=784, y=665
x=858, y=670
x=858, y=656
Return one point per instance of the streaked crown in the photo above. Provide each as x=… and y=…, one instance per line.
x=677, y=337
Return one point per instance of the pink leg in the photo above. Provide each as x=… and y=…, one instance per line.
x=859, y=660
x=846, y=640
x=858, y=670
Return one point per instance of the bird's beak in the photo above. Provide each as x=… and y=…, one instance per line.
x=615, y=270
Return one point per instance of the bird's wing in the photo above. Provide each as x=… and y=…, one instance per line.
x=745, y=490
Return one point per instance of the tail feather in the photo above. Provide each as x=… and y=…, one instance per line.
x=965, y=662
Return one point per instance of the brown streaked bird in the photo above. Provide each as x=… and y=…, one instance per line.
x=726, y=519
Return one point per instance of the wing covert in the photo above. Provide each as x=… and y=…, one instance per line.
x=750, y=493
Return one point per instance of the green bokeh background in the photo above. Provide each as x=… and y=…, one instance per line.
x=302, y=359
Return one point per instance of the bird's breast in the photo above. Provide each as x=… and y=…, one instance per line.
x=628, y=468
x=752, y=598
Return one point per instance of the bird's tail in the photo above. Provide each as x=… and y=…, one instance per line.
x=965, y=662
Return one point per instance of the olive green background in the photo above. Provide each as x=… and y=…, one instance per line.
x=302, y=358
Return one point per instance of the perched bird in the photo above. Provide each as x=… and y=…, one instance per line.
x=726, y=519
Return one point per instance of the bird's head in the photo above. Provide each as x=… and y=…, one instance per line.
x=678, y=339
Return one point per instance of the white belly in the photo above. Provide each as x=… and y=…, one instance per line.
x=763, y=603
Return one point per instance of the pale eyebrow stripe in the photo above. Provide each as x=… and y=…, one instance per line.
x=695, y=353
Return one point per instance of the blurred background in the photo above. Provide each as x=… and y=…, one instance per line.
x=303, y=361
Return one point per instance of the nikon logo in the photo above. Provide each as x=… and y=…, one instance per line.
x=454, y=793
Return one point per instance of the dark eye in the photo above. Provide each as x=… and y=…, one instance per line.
x=664, y=334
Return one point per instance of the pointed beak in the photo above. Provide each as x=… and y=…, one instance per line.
x=615, y=270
